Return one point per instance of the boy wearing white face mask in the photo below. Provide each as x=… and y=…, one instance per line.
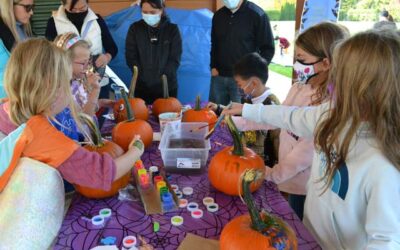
x=154, y=45
x=239, y=28
x=251, y=75
x=313, y=55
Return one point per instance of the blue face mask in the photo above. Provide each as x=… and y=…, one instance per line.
x=151, y=19
x=231, y=4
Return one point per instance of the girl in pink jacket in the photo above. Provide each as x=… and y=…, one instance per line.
x=313, y=57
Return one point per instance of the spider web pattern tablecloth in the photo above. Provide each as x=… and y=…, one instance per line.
x=129, y=217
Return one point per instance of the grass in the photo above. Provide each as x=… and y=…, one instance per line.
x=283, y=70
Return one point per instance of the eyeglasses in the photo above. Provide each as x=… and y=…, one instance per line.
x=28, y=7
x=84, y=64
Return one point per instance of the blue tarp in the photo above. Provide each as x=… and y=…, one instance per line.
x=195, y=27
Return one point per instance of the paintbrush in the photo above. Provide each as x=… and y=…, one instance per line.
x=201, y=127
x=208, y=135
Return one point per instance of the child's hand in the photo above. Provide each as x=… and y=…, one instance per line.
x=235, y=109
x=106, y=103
x=136, y=145
x=212, y=106
x=93, y=81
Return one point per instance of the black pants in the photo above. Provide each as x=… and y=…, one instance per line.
x=297, y=203
x=150, y=95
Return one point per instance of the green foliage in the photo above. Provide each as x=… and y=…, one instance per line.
x=288, y=12
x=274, y=15
x=283, y=70
x=367, y=10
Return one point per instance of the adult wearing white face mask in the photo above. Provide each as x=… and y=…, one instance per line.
x=154, y=45
x=239, y=28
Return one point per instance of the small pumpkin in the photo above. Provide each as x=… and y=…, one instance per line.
x=260, y=229
x=229, y=164
x=102, y=146
x=200, y=115
x=125, y=131
x=166, y=104
x=138, y=105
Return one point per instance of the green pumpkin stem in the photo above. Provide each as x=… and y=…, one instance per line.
x=129, y=112
x=165, y=86
x=197, y=106
x=257, y=223
x=132, y=88
x=238, y=146
x=95, y=134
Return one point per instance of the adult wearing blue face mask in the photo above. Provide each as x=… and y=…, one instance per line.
x=154, y=45
x=239, y=28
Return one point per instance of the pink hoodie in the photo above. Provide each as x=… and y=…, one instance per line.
x=292, y=171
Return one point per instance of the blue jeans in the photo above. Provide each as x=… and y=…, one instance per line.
x=296, y=201
x=223, y=90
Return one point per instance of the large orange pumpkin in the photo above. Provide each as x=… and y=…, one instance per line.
x=258, y=230
x=166, y=104
x=125, y=131
x=101, y=146
x=229, y=164
x=138, y=105
x=200, y=115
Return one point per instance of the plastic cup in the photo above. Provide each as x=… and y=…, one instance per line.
x=169, y=117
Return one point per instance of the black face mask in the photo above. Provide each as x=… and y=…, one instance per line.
x=77, y=18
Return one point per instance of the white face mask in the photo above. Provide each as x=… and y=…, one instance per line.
x=231, y=4
x=304, y=71
x=151, y=19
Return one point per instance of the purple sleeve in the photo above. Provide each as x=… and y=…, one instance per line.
x=6, y=126
x=89, y=169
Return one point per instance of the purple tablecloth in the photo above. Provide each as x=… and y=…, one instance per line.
x=129, y=217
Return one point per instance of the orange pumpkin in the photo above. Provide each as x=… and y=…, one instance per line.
x=138, y=105
x=200, y=115
x=229, y=164
x=101, y=146
x=261, y=230
x=166, y=104
x=125, y=131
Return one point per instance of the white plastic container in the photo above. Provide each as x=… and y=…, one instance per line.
x=184, y=149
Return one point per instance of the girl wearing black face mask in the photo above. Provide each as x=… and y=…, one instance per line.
x=76, y=16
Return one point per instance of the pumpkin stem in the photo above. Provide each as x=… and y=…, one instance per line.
x=238, y=148
x=197, y=106
x=132, y=88
x=257, y=222
x=129, y=112
x=165, y=86
x=95, y=134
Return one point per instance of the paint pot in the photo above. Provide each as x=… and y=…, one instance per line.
x=192, y=206
x=98, y=220
x=187, y=191
x=213, y=207
x=197, y=213
x=105, y=213
x=208, y=200
x=177, y=220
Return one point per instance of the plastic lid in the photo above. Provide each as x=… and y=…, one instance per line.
x=208, y=200
x=197, y=213
x=153, y=169
x=142, y=171
x=177, y=220
x=161, y=184
x=97, y=220
x=213, y=207
x=105, y=212
x=174, y=187
x=192, y=206
x=187, y=191
x=179, y=194
x=129, y=241
x=183, y=203
x=166, y=197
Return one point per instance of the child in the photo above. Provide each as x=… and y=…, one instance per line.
x=354, y=189
x=85, y=85
x=36, y=94
x=251, y=74
x=313, y=56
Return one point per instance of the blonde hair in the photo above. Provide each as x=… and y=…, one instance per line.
x=61, y=41
x=366, y=77
x=318, y=41
x=37, y=74
x=7, y=15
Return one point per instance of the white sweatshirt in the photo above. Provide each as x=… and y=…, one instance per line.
x=361, y=210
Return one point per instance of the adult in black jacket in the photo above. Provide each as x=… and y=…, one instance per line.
x=154, y=45
x=239, y=28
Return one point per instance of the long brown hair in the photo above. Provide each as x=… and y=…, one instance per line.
x=319, y=41
x=366, y=77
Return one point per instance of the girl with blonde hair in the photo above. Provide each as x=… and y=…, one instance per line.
x=354, y=189
x=36, y=94
x=85, y=84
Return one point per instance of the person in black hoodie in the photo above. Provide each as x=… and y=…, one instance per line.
x=154, y=45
